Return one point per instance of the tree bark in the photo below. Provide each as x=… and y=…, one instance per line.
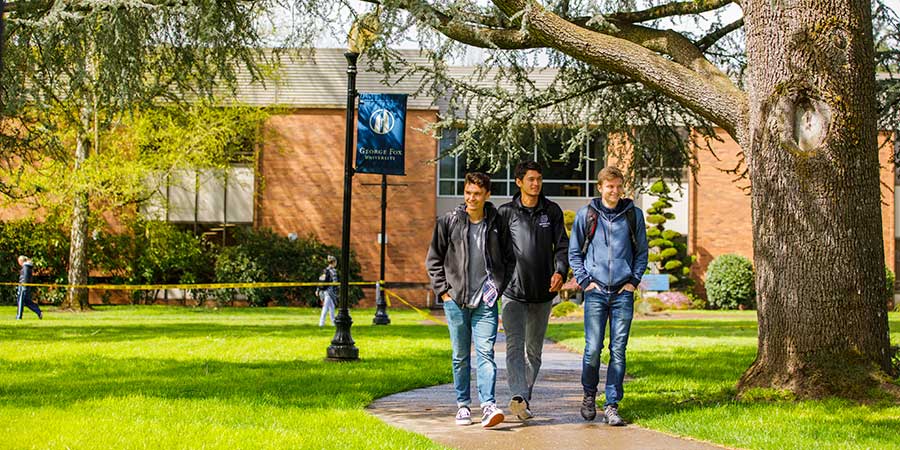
x=813, y=159
x=77, y=299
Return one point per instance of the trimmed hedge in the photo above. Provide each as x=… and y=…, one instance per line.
x=730, y=282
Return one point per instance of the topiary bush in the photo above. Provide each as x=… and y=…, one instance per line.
x=563, y=309
x=668, y=254
x=730, y=282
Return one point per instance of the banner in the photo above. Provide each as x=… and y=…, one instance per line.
x=381, y=134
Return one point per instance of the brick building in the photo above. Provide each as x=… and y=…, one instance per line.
x=297, y=184
x=302, y=167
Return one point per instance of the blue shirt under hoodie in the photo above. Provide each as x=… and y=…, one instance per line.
x=610, y=261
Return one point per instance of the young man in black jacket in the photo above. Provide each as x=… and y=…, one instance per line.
x=540, y=244
x=469, y=262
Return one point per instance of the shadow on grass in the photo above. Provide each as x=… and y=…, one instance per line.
x=100, y=332
x=307, y=384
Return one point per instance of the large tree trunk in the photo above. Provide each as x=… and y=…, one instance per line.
x=814, y=169
x=77, y=299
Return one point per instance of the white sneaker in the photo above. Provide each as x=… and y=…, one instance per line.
x=491, y=415
x=519, y=407
x=464, y=416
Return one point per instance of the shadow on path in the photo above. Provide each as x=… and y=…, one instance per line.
x=555, y=403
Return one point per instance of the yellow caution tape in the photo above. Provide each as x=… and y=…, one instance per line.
x=424, y=314
x=154, y=287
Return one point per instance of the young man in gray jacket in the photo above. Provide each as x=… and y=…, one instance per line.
x=469, y=262
x=608, y=254
x=538, y=235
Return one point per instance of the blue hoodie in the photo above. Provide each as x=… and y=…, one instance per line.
x=610, y=261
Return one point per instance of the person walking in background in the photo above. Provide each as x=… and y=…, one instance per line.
x=328, y=294
x=608, y=254
x=538, y=235
x=23, y=293
x=469, y=262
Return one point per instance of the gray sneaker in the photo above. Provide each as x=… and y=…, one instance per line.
x=612, y=416
x=589, y=406
x=464, y=416
x=519, y=407
x=491, y=415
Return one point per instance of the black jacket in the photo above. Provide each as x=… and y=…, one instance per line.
x=448, y=254
x=25, y=277
x=540, y=245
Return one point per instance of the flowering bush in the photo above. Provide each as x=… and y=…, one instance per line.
x=674, y=300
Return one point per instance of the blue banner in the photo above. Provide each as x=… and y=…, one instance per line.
x=381, y=134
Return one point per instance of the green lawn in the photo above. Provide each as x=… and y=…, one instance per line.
x=684, y=372
x=169, y=378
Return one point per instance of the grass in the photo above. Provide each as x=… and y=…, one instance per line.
x=684, y=371
x=159, y=377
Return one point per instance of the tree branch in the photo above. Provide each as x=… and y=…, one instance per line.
x=470, y=28
x=669, y=9
x=714, y=37
x=708, y=94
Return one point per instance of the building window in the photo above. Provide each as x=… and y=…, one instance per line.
x=572, y=177
x=211, y=196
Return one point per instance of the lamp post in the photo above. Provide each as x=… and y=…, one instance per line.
x=342, y=347
x=381, y=316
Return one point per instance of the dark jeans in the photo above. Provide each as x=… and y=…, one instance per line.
x=23, y=299
x=599, y=306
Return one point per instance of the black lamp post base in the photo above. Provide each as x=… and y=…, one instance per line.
x=342, y=353
x=342, y=347
x=381, y=319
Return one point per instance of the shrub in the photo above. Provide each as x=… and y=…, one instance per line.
x=569, y=220
x=263, y=255
x=152, y=252
x=647, y=305
x=563, y=309
x=729, y=282
x=47, y=244
x=696, y=302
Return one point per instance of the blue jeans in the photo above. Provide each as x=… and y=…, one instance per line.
x=478, y=325
x=600, y=305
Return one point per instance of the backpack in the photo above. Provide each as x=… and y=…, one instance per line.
x=590, y=224
x=322, y=277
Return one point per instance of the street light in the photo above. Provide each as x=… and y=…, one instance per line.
x=342, y=347
x=362, y=34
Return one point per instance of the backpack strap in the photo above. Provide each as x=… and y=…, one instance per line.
x=590, y=225
x=632, y=227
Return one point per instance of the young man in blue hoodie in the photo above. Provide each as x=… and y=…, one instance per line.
x=608, y=255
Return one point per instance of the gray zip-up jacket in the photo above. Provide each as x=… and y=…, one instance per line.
x=609, y=260
x=448, y=254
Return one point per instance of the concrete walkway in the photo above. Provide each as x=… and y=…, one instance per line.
x=555, y=403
